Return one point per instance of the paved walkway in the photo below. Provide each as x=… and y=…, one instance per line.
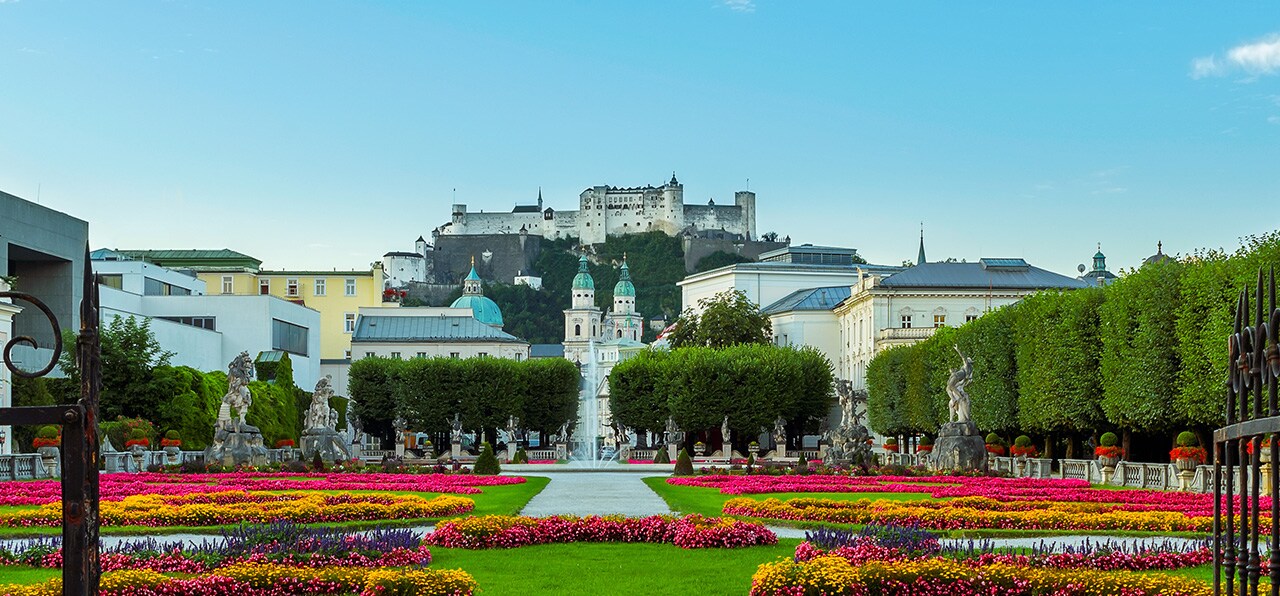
x=596, y=493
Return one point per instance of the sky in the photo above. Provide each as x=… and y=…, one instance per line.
x=320, y=135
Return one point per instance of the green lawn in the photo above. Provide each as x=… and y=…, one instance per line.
x=26, y=575
x=507, y=499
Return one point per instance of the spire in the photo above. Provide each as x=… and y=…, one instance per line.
x=539, y=198
x=583, y=281
x=920, y=260
x=673, y=181
x=1099, y=260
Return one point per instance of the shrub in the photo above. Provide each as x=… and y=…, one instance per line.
x=172, y=435
x=802, y=466
x=662, y=457
x=1022, y=441
x=684, y=464
x=1109, y=439
x=317, y=463
x=137, y=436
x=47, y=431
x=521, y=457
x=487, y=463
x=1187, y=438
x=888, y=441
x=295, y=467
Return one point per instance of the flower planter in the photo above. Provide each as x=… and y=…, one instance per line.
x=1186, y=464
x=1108, y=462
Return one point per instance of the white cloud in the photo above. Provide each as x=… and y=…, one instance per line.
x=739, y=5
x=1261, y=57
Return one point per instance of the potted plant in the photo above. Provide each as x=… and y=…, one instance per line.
x=699, y=448
x=1022, y=447
x=995, y=444
x=137, y=441
x=46, y=438
x=1188, y=454
x=1264, y=455
x=925, y=446
x=285, y=444
x=891, y=444
x=171, y=442
x=1107, y=451
x=753, y=447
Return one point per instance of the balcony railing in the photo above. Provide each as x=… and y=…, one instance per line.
x=900, y=333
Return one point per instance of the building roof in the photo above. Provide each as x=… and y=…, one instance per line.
x=583, y=281
x=427, y=328
x=782, y=266
x=825, y=298
x=402, y=254
x=1005, y=274
x=546, y=351
x=1159, y=257
x=482, y=308
x=526, y=209
x=194, y=258
x=624, y=287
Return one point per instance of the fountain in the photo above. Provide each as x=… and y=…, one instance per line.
x=586, y=451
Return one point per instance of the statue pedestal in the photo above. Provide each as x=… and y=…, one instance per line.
x=959, y=446
x=1185, y=478
x=562, y=451
x=780, y=452
x=511, y=451
x=456, y=451
x=673, y=452
x=325, y=441
x=727, y=450
x=237, y=445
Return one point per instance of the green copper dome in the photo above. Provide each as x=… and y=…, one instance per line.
x=583, y=281
x=485, y=310
x=624, y=286
x=473, y=276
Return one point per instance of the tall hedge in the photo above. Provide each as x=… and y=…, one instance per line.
x=1140, y=359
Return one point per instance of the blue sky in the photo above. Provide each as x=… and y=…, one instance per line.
x=323, y=134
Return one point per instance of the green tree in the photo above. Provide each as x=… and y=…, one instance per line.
x=129, y=354
x=372, y=383
x=886, y=390
x=727, y=319
x=993, y=392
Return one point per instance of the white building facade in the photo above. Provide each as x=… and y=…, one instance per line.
x=768, y=282
x=7, y=311
x=404, y=333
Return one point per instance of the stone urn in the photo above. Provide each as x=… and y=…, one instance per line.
x=699, y=449
x=172, y=454
x=49, y=457
x=1186, y=464
x=1108, y=462
x=138, y=452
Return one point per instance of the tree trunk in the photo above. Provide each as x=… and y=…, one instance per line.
x=1125, y=436
x=1071, y=446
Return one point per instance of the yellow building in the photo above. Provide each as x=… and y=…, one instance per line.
x=337, y=295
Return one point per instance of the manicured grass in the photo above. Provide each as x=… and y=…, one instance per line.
x=611, y=568
x=709, y=501
x=18, y=574
x=507, y=499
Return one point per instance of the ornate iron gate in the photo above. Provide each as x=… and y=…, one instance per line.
x=79, y=422
x=1252, y=416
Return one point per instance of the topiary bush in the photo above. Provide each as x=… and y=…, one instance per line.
x=994, y=439
x=47, y=431
x=684, y=464
x=1109, y=439
x=521, y=457
x=173, y=435
x=317, y=464
x=1187, y=438
x=295, y=466
x=487, y=463
x=662, y=457
x=1022, y=441
x=925, y=441
x=802, y=466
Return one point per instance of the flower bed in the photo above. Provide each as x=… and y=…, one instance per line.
x=1004, y=489
x=229, y=507
x=266, y=579
x=115, y=487
x=834, y=575
x=971, y=512
x=691, y=531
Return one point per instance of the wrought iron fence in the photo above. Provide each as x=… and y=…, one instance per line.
x=1252, y=416
x=79, y=422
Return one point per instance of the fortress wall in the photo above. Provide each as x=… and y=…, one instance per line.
x=715, y=217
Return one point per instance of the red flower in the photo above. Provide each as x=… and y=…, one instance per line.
x=1108, y=451
x=170, y=442
x=1195, y=453
x=995, y=449
x=145, y=442
x=282, y=443
x=1028, y=451
x=39, y=442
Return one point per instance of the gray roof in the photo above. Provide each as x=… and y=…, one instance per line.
x=546, y=351
x=868, y=268
x=810, y=299
x=1004, y=274
x=427, y=328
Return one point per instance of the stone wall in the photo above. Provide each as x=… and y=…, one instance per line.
x=498, y=257
x=695, y=249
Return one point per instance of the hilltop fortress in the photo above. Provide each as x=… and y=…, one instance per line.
x=611, y=211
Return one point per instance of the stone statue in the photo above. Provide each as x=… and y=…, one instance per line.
x=563, y=437
x=672, y=431
x=455, y=432
x=960, y=377
x=319, y=413
x=239, y=373
x=724, y=429
x=513, y=428
x=844, y=390
x=780, y=431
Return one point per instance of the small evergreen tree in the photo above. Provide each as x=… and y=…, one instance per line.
x=662, y=457
x=684, y=464
x=317, y=464
x=487, y=463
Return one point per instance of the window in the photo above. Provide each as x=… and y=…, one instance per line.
x=155, y=287
x=939, y=321
x=368, y=354
x=422, y=354
x=968, y=318
x=291, y=287
x=395, y=355
x=288, y=337
x=455, y=355
x=483, y=354
x=577, y=330
x=351, y=286
x=349, y=322
x=906, y=321
x=347, y=355
x=112, y=280
x=201, y=322
x=228, y=285
x=264, y=286
x=319, y=287
x=519, y=357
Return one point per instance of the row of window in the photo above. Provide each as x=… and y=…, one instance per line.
x=292, y=287
x=454, y=355
x=938, y=320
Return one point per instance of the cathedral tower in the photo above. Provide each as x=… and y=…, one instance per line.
x=582, y=320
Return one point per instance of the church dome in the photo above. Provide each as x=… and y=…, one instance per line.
x=484, y=309
x=1159, y=257
x=624, y=286
x=583, y=281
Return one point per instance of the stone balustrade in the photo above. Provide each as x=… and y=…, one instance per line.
x=23, y=466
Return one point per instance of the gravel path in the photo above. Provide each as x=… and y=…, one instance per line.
x=596, y=493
